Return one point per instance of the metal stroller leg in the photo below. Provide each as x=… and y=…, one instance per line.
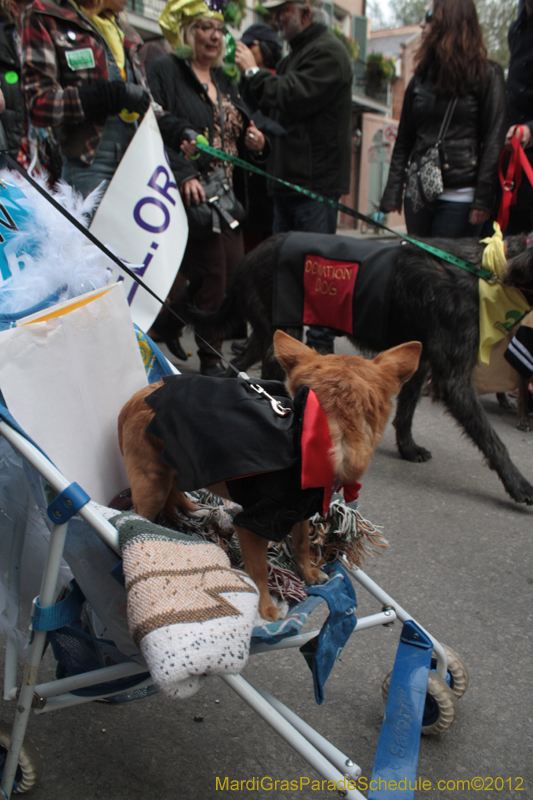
x=338, y=759
x=382, y=596
x=297, y=740
x=31, y=669
x=13, y=604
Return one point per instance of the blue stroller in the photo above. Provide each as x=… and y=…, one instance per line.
x=91, y=643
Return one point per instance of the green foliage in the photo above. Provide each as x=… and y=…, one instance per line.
x=351, y=45
x=374, y=10
x=265, y=13
x=380, y=70
x=234, y=12
x=495, y=17
x=410, y=12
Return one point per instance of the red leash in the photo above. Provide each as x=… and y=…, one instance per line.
x=518, y=161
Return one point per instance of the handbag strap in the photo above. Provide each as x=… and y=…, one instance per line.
x=221, y=115
x=448, y=114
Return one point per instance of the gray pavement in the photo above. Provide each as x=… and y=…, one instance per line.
x=460, y=560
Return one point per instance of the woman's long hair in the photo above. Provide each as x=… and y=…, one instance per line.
x=452, y=54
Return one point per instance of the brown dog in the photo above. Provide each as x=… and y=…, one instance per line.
x=354, y=393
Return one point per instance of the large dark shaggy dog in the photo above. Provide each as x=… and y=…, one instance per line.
x=431, y=301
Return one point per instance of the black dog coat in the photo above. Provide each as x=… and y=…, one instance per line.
x=277, y=468
x=337, y=281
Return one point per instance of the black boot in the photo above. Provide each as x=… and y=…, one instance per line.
x=174, y=345
x=215, y=370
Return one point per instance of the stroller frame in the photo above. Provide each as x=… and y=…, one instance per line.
x=329, y=762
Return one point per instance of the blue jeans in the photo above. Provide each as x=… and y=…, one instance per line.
x=86, y=177
x=443, y=219
x=305, y=214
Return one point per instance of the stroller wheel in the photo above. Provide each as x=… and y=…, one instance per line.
x=457, y=672
x=30, y=766
x=439, y=711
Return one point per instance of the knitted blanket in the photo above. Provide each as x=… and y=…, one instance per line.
x=189, y=612
x=191, y=608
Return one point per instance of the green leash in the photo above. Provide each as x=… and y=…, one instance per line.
x=479, y=272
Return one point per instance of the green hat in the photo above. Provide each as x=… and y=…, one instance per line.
x=277, y=3
x=180, y=12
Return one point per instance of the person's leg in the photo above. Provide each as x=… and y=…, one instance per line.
x=283, y=219
x=315, y=217
x=521, y=214
x=419, y=223
x=204, y=264
x=166, y=327
x=87, y=177
x=451, y=220
x=233, y=243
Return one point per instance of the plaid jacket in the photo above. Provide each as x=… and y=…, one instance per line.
x=52, y=31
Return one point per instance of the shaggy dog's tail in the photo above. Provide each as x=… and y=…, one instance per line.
x=210, y=323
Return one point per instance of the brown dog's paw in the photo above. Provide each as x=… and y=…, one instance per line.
x=314, y=576
x=199, y=513
x=268, y=611
x=319, y=576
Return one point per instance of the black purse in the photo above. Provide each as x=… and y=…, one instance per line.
x=424, y=177
x=221, y=209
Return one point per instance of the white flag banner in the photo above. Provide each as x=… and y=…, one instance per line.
x=142, y=218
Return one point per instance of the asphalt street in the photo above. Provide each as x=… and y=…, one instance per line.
x=460, y=561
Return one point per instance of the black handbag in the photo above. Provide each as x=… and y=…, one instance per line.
x=424, y=177
x=221, y=209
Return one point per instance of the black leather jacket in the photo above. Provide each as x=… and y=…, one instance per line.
x=176, y=88
x=472, y=145
x=520, y=76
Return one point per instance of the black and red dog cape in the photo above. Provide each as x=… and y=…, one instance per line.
x=220, y=429
x=339, y=282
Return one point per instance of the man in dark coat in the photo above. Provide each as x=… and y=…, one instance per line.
x=520, y=108
x=310, y=96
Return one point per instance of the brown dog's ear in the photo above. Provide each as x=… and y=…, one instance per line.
x=290, y=352
x=401, y=360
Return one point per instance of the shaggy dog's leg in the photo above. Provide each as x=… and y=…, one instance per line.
x=503, y=401
x=271, y=370
x=250, y=355
x=403, y=421
x=463, y=404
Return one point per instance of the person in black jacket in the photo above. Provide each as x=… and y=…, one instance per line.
x=311, y=97
x=451, y=62
x=265, y=45
x=198, y=97
x=520, y=109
